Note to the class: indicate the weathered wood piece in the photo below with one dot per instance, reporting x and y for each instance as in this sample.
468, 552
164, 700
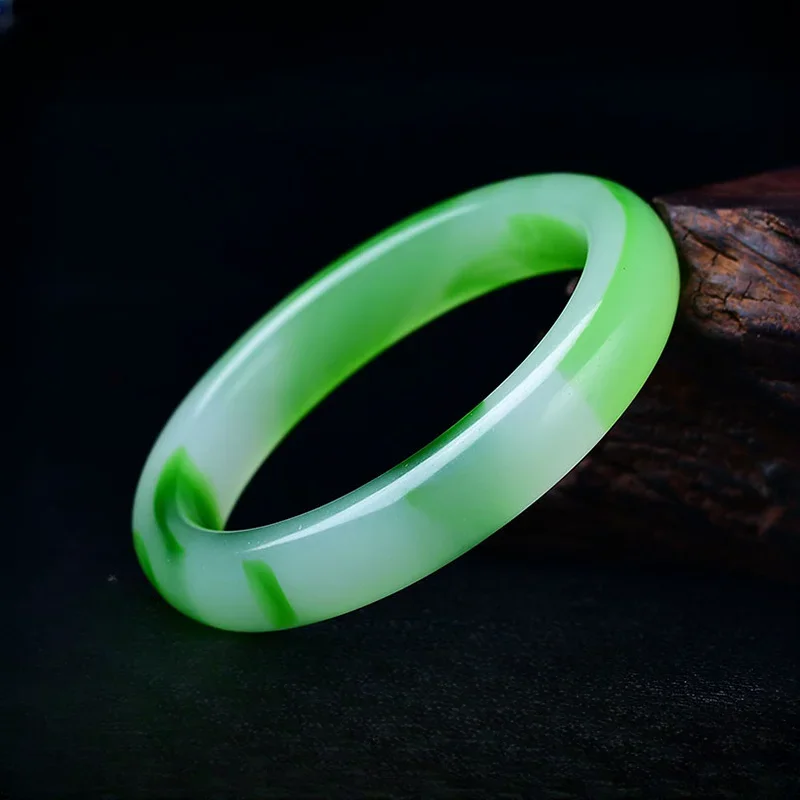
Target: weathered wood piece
704, 468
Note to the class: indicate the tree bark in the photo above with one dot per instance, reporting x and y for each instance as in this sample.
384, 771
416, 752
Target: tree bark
704, 467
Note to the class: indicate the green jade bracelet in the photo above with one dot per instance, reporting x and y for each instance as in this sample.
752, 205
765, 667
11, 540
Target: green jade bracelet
477, 476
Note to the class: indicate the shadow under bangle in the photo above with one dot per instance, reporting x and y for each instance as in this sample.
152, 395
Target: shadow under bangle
473, 479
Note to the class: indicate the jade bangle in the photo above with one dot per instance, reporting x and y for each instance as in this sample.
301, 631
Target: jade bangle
481, 473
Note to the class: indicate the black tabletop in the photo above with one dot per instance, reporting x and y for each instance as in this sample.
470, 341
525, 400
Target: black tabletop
489, 679
174, 188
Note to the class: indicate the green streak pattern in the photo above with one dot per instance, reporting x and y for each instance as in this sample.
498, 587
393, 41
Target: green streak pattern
181, 479
144, 558
534, 244
270, 596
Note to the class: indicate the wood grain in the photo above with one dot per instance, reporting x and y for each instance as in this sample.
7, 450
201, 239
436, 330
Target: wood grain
704, 468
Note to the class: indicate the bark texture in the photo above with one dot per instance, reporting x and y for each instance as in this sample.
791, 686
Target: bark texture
704, 468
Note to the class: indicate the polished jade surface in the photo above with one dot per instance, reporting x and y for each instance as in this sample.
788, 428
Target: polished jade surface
481, 473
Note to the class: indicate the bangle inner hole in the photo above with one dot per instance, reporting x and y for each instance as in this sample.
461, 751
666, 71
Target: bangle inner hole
402, 400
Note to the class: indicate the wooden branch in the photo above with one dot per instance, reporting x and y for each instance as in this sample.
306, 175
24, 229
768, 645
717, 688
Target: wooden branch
704, 468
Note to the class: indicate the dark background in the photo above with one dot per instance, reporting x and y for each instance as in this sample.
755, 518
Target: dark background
169, 179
